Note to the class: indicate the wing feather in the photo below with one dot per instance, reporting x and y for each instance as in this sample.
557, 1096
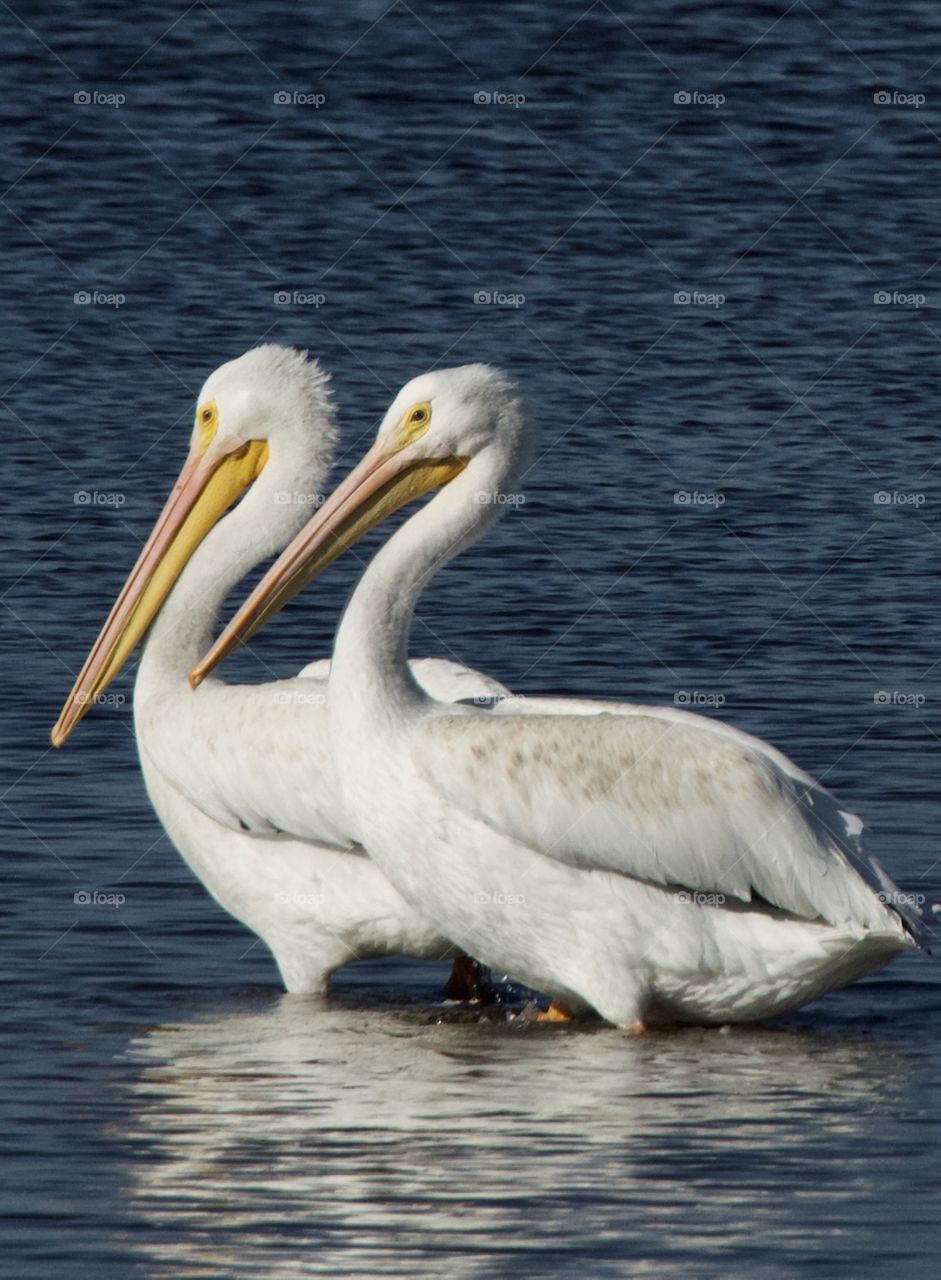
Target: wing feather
256, 758
663, 798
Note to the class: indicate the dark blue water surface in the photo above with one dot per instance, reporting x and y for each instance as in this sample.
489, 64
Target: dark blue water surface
735, 506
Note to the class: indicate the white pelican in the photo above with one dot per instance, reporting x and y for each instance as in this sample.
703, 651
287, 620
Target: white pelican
225, 769
644, 862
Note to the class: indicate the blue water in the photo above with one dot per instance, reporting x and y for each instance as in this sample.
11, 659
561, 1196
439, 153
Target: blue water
701, 525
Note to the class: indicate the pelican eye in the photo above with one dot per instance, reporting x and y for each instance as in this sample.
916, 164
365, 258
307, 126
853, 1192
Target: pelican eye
207, 420
413, 424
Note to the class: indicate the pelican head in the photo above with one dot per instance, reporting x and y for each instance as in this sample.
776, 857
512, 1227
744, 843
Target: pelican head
272, 394
451, 413
267, 411
440, 425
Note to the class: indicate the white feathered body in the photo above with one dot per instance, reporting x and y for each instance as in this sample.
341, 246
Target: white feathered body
693, 878
646, 863
241, 776
242, 779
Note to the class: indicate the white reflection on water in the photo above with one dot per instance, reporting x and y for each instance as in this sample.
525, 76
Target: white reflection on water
305, 1139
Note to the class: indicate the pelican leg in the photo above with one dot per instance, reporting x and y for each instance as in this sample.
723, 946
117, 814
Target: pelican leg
466, 979
558, 1011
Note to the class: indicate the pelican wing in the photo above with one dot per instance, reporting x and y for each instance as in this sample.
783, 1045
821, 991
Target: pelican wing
663, 798
252, 757
441, 679
448, 681
256, 757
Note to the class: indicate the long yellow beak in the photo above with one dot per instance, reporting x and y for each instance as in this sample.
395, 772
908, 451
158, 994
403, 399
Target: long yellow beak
203, 492
381, 483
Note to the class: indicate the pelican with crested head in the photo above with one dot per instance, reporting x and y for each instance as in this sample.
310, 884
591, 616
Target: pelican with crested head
242, 776
643, 862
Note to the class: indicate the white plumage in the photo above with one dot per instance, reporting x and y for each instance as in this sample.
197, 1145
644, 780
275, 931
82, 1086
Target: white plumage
644, 862
232, 767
